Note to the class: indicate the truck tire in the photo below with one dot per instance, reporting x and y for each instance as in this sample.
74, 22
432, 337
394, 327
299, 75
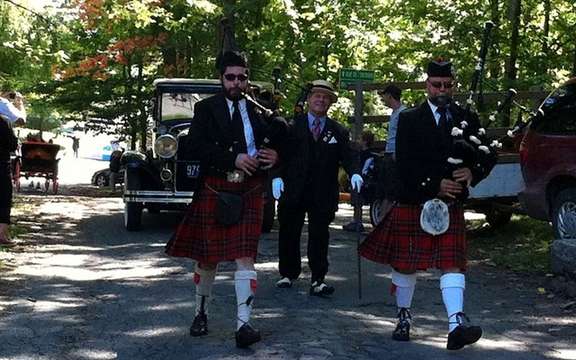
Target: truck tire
564, 214
269, 215
498, 218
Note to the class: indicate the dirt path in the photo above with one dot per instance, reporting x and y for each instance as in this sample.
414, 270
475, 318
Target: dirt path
79, 287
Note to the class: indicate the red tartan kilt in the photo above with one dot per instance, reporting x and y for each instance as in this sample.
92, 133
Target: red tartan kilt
199, 236
400, 241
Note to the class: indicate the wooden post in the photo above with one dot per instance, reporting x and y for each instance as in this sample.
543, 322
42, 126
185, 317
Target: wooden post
358, 111
358, 125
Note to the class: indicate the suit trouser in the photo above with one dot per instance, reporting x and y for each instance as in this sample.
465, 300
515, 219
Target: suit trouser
291, 220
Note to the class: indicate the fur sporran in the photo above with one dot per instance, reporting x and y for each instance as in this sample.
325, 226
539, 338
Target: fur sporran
435, 217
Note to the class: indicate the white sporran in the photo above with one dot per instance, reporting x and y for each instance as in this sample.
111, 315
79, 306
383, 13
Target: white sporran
435, 218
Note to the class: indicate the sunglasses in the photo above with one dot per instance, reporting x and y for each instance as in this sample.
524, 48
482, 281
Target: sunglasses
438, 84
232, 77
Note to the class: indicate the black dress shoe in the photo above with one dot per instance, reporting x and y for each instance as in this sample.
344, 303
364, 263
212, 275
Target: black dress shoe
464, 334
319, 288
199, 325
246, 336
402, 331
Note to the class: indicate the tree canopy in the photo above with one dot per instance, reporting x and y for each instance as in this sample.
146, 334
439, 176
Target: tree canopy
96, 59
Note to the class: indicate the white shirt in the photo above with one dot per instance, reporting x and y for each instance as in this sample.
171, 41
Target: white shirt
248, 132
393, 129
10, 112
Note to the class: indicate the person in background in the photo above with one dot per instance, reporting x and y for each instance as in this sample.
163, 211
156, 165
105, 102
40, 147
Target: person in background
367, 161
318, 146
11, 112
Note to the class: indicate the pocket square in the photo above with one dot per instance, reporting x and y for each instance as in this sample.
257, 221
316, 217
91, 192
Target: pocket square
333, 141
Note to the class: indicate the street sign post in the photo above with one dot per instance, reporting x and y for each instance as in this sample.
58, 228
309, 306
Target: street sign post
352, 76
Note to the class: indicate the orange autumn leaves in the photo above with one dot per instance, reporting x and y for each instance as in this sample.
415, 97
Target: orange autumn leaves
119, 52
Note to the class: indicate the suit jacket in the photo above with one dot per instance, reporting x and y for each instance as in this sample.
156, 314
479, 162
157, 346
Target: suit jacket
422, 150
321, 162
211, 138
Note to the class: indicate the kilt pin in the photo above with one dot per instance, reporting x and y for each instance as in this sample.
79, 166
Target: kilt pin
398, 240
201, 238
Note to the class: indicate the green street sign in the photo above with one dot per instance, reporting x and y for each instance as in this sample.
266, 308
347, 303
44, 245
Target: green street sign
351, 76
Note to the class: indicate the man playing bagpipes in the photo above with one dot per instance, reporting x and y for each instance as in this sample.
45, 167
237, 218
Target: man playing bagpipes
234, 143
440, 152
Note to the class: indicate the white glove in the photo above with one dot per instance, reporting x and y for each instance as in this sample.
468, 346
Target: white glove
277, 187
356, 181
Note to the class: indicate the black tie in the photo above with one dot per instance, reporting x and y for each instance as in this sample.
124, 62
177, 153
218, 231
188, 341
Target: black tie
443, 122
238, 127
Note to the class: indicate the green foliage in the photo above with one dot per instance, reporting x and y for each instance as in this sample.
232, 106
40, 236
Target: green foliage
100, 63
521, 245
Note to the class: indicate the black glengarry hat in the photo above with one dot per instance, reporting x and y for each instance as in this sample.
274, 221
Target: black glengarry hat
440, 68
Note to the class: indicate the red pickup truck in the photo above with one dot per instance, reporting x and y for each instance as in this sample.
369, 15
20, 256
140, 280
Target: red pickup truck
548, 162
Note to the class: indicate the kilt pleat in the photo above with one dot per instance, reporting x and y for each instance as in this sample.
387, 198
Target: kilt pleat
200, 237
398, 240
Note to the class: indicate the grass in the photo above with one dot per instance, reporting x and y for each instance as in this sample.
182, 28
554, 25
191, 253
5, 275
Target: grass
521, 245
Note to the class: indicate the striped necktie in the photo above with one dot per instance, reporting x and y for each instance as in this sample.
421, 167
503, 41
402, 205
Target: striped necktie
316, 128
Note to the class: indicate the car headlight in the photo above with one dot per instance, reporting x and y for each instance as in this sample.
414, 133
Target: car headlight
166, 146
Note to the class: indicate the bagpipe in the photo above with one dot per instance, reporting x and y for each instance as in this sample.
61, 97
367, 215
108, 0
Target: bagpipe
470, 146
276, 126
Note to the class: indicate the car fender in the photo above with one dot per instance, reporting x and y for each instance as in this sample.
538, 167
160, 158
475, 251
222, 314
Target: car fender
136, 165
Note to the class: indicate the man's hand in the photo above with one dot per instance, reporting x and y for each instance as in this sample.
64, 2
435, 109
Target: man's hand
462, 175
267, 157
246, 163
449, 189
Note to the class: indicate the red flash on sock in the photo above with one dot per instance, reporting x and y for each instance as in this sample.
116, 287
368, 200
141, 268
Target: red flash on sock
253, 285
196, 278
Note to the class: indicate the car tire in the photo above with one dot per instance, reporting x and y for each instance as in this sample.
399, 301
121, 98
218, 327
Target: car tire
564, 214
101, 180
132, 216
498, 218
378, 209
269, 215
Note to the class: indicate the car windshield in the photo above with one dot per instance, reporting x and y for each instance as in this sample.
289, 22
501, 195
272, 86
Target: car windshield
179, 106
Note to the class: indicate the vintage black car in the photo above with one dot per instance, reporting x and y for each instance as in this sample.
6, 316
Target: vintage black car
163, 177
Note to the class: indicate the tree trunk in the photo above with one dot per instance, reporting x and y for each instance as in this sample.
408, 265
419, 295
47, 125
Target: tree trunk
574, 61
545, 36
143, 114
494, 65
511, 71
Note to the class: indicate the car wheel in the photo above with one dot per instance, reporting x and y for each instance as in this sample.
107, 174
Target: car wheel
378, 209
564, 214
101, 180
269, 215
497, 218
132, 216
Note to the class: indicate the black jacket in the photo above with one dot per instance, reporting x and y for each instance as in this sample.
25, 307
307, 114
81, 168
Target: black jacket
422, 151
310, 169
211, 138
8, 141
